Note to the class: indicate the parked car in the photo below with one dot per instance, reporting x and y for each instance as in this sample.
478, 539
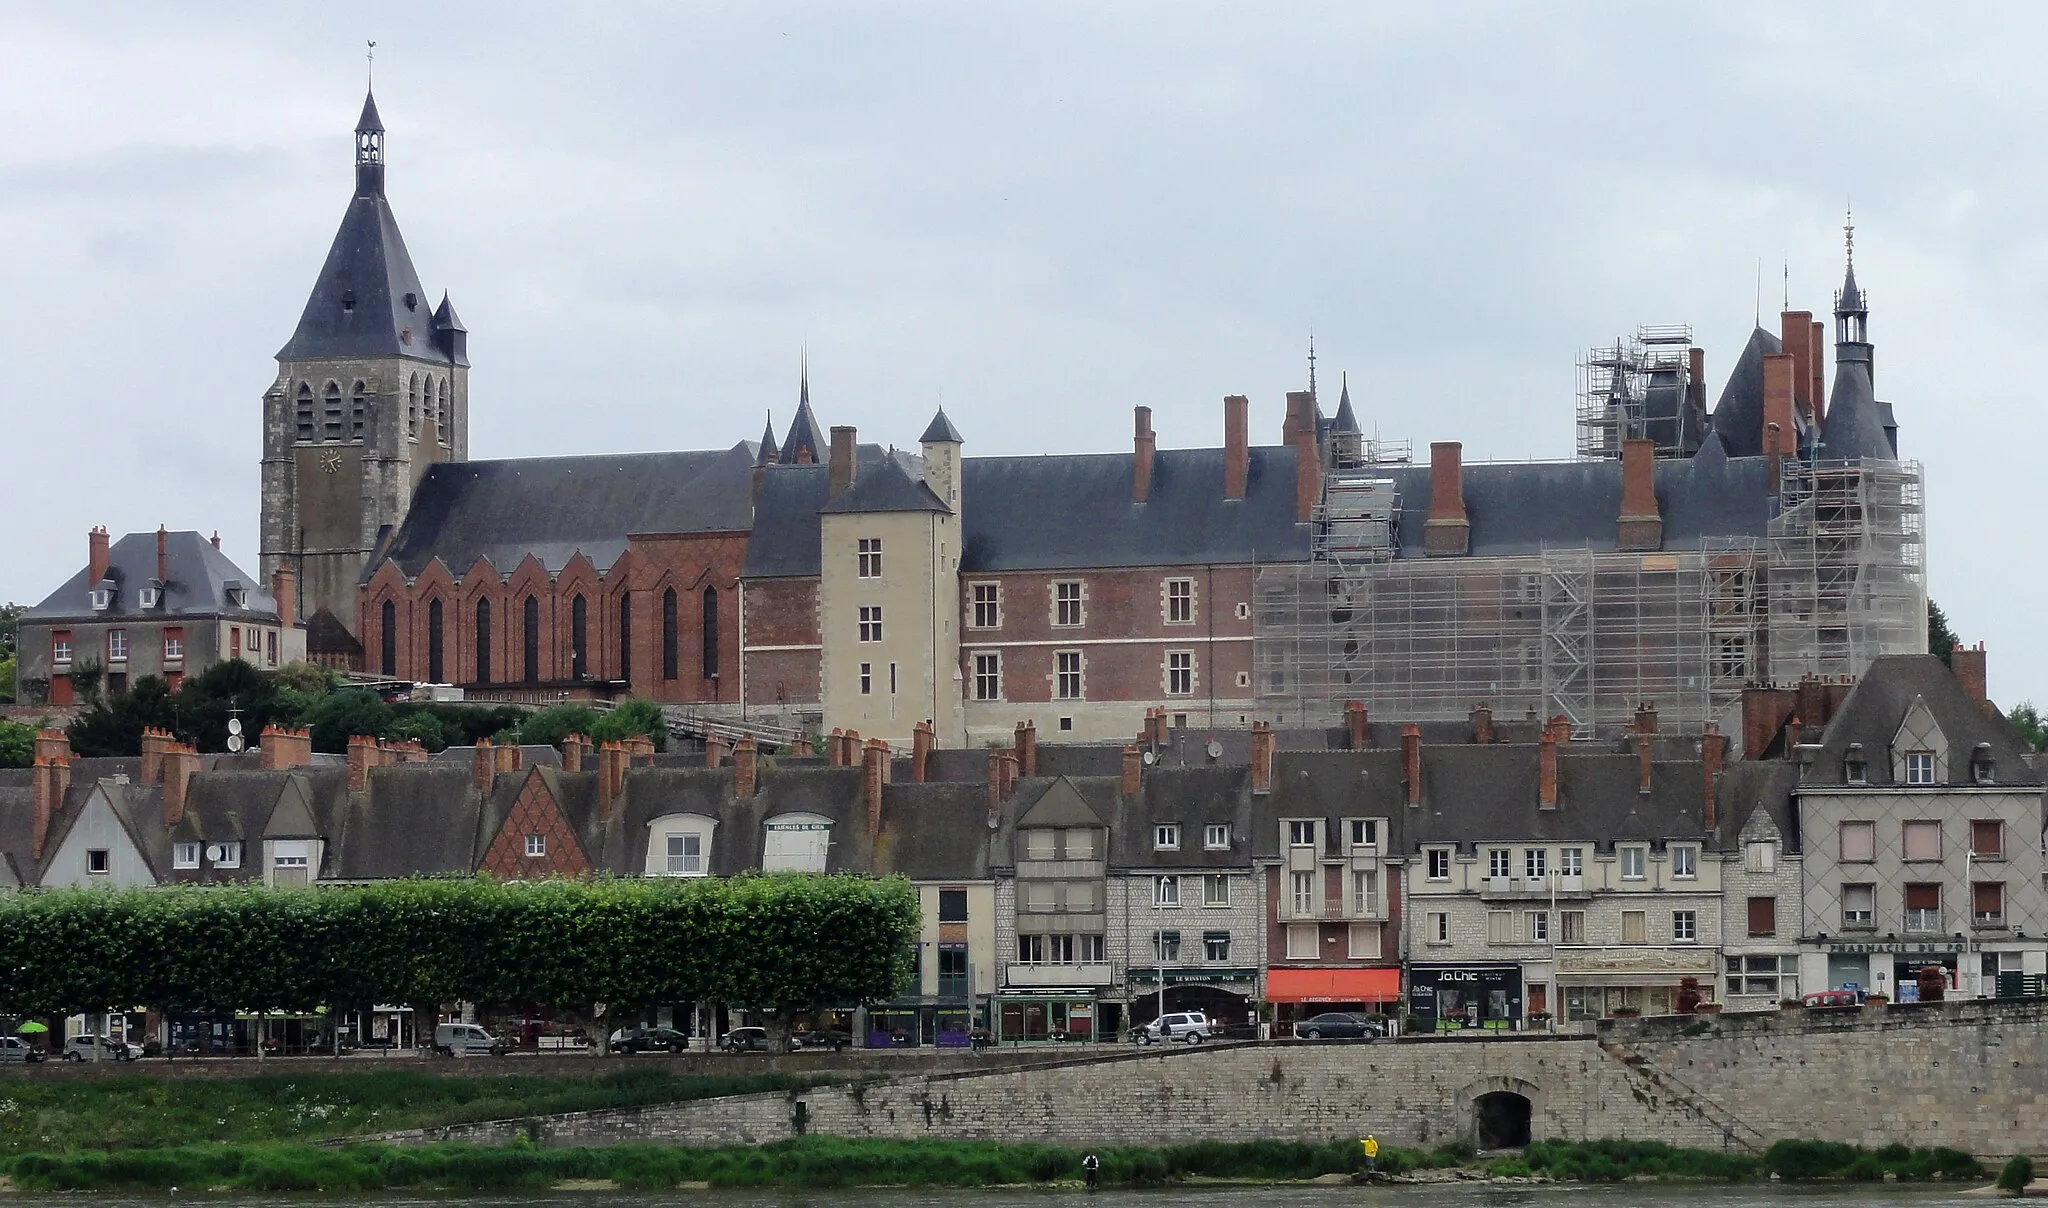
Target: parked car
1831, 998
650, 1040
14, 1048
819, 1038
1340, 1025
1188, 1027
467, 1040
745, 1040
80, 1048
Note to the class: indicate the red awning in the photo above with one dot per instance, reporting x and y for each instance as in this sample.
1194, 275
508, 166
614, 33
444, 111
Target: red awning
1333, 985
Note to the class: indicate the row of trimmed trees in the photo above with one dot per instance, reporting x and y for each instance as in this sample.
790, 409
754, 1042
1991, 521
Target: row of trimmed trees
784, 942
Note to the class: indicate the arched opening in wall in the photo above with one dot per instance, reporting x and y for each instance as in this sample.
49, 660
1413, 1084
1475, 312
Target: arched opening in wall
388, 655
579, 637
412, 408
435, 664
626, 637
483, 641
304, 413
441, 411
530, 622
710, 653
1501, 1119
668, 634
332, 419
358, 411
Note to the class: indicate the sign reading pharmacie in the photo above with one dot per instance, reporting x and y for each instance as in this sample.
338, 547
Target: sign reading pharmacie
1859, 947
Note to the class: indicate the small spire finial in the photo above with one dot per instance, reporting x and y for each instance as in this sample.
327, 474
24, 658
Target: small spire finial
1849, 232
803, 381
1788, 284
370, 57
1311, 361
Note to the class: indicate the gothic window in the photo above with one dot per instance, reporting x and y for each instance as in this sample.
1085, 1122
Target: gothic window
304, 413
441, 411
710, 652
412, 408
389, 654
530, 625
435, 665
358, 411
332, 418
579, 633
668, 634
625, 637
483, 641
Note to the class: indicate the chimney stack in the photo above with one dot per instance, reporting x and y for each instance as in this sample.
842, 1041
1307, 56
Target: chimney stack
1643, 762
510, 757
1027, 747
284, 749
1262, 757
1411, 761
1646, 718
874, 760
1779, 370
1817, 390
612, 761
573, 748
1009, 774
832, 749
839, 474
1546, 769
1237, 445
1308, 460
483, 766
1482, 723
1161, 735
1794, 728
153, 743
362, 756
284, 587
1447, 531
163, 554
95, 557
1641, 525
920, 751
1144, 445
1969, 667
746, 768
1795, 336
50, 780
995, 785
180, 762
1712, 751
216, 538
1134, 770
714, 751
1354, 725
1696, 383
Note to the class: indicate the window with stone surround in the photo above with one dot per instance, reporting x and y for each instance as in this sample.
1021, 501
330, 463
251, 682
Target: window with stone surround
1856, 842
1301, 943
1634, 861
1066, 596
1067, 675
988, 675
1180, 673
1685, 926
1439, 863
1216, 889
868, 555
1500, 927
1987, 839
1571, 926
1919, 767
1763, 916
1921, 840
1685, 861
988, 606
1365, 941
1635, 927
1180, 601
1436, 927
1859, 907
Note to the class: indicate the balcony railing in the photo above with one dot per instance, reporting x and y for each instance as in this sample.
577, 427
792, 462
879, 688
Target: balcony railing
1924, 922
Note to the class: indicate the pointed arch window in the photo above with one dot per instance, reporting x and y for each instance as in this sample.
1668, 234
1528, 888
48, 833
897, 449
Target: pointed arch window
710, 652
483, 641
358, 411
332, 417
303, 414
626, 637
579, 635
435, 663
412, 408
388, 656
441, 425
668, 634
530, 626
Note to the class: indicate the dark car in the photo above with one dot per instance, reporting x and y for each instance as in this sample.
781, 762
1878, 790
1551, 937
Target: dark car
650, 1040
745, 1040
1339, 1025
1831, 998
819, 1038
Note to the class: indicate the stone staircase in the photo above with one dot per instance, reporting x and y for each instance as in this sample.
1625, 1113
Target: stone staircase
1735, 1131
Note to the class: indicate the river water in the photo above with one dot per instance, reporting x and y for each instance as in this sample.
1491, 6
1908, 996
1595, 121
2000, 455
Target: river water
1459, 1196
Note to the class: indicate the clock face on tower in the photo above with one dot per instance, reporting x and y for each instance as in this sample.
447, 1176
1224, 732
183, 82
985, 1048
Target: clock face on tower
331, 463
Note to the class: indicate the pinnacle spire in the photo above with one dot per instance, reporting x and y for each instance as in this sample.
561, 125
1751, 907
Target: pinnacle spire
1346, 419
369, 149
766, 457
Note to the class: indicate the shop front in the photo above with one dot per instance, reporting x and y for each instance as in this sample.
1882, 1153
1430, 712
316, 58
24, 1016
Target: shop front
1892, 967
1297, 994
1052, 1016
1450, 997
1226, 996
923, 1021
1594, 983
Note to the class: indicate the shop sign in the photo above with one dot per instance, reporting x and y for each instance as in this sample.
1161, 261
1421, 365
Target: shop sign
1636, 960
1905, 946
1183, 977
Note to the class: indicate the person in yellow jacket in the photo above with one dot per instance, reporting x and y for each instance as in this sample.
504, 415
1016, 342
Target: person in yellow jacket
1371, 1145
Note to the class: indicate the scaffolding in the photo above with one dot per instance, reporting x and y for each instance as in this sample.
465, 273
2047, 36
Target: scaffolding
1848, 578
1635, 389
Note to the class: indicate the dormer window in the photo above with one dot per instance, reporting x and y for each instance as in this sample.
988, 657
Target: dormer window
102, 597
151, 596
233, 593
1166, 837
1920, 767
1981, 764
1854, 769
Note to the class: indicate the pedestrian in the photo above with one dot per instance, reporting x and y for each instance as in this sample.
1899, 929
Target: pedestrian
1091, 1171
1371, 1145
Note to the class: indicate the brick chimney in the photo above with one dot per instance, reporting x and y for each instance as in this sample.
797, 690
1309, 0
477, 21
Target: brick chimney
839, 473
921, 750
1817, 390
612, 761
1027, 747
833, 749
714, 751
1640, 525
1161, 735
995, 784
1712, 752
283, 749
1009, 773
95, 557
1779, 369
1794, 729
1643, 762
163, 554
1696, 385
641, 748
1546, 769
1262, 757
874, 761
510, 757
1482, 723
50, 780
1134, 770
746, 768
362, 756
1354, 725
1764, 711
1237, 445
1795, 335
1447, 531
180, 762
1411, 761
153, 743
1144, 445
1968, 665
1308, 461
284, 586
1646, 718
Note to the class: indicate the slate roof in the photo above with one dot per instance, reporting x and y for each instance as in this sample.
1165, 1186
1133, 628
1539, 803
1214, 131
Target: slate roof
197, 587
416, 820
358, 305
887, 488
941, 431
786, 532
1854, 426
554, 507
1346, 420
803, 435
1877, 704
1739, 413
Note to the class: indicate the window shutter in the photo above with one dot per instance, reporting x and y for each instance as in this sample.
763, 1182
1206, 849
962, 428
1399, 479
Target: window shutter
1988, 897
1763, 916
1923, 897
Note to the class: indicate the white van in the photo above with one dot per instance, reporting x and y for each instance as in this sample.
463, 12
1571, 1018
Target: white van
466, 1040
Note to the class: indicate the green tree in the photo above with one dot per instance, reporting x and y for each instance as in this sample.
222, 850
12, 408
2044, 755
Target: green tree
230, 689
1941, 640
555, 723
10, 627
7, 673
309, 678
632, 717
17, 744
113, 725
2027, 720
338, 715
422, 727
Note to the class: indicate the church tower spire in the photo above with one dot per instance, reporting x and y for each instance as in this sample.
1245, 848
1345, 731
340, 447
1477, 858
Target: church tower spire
369, 149
1852, 315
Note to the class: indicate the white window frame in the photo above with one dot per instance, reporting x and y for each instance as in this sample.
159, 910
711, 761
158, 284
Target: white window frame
1180, 601
99, 861
868, 555
1166, 892
1438, 923
1041, 843
536, 846
1685, 927
988, 675
1635, 861
1166, 836
1536, 863
1432, 858
1685, 862
1216, 836
1571, 861
1068, 604
1303, 891
1365, 893
1919, 768
117, 645
230, 855
1301, 833
1537, 926
1364, 833
1500, 862
185, 854
1216, 889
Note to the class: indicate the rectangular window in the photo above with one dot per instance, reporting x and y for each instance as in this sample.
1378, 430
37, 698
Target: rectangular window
1031, 949
1774, 976
1761, 856
1500, 927
871, 622
952, 905
1987, 903
1536, 863
1166, 891
1180, 673
174, 643
1685, 927
60, 646
184, 855
1365, 894
1080, 898
1571, 862
1439, 864
1500, 863
1216, 889
988, 606
1763, 916
1538, 924
1302, 886
1633, 862
1436, 927
1041, 845
1859, 906
1923, 907
230, 856
953, 970
1635, 927
1216, 836
97, 861
686, 855
1067, 674
1987, 839
867, 679
1066, 603
1919, 767
1685, 862
1166, 945
1365, 834
1180, 601
536, 846
1080, 843
1858, 842
1040, 897
1922, 841
870, 558
1301, 943
1571, 926
1166, 837
1365, 941
1088, 950
1216, 946
988, 676
892, 679
1301, 834
117, 645
292, 866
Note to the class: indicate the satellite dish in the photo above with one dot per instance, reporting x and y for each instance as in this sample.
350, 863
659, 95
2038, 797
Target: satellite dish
216, 852
1215, 749
1151, 757
234, 725
235, 742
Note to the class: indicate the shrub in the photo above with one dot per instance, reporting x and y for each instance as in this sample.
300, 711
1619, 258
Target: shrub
2018, 1172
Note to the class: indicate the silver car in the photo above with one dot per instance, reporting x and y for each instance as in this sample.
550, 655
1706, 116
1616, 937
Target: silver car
14, 1048
80, 1048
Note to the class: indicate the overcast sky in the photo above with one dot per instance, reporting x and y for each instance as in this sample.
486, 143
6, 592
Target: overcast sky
1040, 214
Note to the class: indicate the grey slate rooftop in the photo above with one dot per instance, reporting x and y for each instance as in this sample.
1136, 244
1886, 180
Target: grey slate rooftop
197, 584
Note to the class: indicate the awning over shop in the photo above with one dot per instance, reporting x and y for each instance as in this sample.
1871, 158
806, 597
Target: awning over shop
1333, 985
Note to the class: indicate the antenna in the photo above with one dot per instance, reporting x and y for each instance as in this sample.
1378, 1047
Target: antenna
1311, 360
1788, 283
1849, 232
1759, 321
370, 57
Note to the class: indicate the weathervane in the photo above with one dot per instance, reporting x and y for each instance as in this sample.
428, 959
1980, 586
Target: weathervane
1849, 232
370, 57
